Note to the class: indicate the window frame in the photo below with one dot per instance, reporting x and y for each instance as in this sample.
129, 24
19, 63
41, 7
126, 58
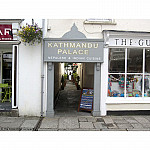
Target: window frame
126, 99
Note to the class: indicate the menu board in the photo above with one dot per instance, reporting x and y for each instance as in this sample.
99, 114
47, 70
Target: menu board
86, 99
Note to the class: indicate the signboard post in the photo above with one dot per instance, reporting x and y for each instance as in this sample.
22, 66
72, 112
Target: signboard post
86, 99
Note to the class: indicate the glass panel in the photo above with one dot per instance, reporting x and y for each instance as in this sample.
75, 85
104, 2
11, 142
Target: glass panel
7, 68
116, 85
147, 60
147, 86
116, 60
134, 86
135, 60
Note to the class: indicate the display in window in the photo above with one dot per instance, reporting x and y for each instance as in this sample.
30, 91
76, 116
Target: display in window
134, 88
116, 85
147, 86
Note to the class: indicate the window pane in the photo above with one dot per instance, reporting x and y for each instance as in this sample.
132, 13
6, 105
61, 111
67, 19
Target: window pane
134, 85
147, 86
135, 60
147, 60
116, 60
116, 85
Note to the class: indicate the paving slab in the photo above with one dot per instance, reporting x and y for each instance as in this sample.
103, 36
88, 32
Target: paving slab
141, 119
108, 119
124, 126
91, 119
111, 126
82, 119
86, 125
12, 123
146, 125
99, 125
68, 122
137, 126
131, 120
116, 117
99, 119
29, 124
2, 118
49, 123
121, 120
147, 117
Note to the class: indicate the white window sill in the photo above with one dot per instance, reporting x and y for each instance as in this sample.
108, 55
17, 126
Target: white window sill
132, 100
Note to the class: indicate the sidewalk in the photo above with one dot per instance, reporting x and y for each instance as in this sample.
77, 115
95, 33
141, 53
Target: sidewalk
78, 123
18, 123
90, 123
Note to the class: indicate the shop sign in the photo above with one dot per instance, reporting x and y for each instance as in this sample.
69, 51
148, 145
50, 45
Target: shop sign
59, 50
132, 42
5, 32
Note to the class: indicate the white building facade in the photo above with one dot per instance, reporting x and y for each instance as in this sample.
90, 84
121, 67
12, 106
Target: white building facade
124, 72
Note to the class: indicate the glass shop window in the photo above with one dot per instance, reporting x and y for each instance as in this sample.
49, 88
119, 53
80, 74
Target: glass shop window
128, 82
134, 85
117, 60
147, 74
116, 85
134, 60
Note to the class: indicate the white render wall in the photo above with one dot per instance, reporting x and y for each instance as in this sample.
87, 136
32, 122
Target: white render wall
58, 27
29, 80
29, 100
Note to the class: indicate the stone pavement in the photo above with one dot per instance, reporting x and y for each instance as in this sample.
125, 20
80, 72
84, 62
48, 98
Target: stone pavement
90, 123
78, 123
67, 118
18, 123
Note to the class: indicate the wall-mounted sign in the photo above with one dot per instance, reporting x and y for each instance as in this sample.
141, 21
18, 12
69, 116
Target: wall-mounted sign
5, 31
132, 42
83, 50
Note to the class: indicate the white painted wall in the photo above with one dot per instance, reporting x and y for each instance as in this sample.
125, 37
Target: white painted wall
58, 27
29, 81
29, 100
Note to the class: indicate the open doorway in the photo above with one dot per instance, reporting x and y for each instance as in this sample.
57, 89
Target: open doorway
69, 79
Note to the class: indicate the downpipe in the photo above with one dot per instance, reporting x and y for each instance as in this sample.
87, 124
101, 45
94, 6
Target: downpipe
42, 68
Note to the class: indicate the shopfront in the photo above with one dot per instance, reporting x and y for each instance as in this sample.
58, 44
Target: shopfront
8, 64
128, 74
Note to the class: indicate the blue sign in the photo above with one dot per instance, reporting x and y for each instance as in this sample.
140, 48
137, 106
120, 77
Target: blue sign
86, 101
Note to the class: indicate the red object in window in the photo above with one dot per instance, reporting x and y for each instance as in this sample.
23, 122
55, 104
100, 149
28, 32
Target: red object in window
5, 31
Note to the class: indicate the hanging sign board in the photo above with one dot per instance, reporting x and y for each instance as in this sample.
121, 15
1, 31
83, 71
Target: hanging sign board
5, 32
86, 99
78, 50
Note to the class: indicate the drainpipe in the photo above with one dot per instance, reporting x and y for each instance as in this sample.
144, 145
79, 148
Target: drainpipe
42, 67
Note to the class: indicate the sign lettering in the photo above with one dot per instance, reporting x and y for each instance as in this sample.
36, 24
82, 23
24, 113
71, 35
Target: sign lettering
5, 32
129, 42
73, 50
